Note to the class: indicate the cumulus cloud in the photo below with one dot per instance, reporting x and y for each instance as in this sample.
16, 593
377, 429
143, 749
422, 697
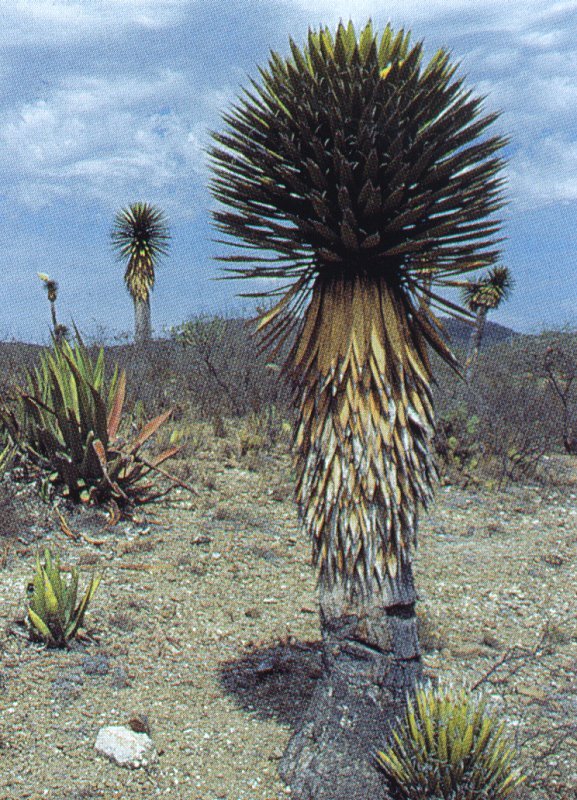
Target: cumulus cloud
103, 138
99, 133
46, 21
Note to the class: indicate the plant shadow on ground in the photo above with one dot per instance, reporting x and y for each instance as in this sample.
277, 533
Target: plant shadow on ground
275, 682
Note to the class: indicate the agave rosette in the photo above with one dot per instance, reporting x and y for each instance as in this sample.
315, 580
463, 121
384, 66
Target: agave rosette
53, 611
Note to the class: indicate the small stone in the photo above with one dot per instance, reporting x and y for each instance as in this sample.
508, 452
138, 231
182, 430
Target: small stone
491, 641
139, 723
125, 747
96, 665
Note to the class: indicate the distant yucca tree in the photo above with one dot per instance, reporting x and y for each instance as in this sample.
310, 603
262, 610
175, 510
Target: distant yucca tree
59, 331
361, 175
141, 235
482, 296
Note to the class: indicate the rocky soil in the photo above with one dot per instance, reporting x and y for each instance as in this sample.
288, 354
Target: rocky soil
205, 623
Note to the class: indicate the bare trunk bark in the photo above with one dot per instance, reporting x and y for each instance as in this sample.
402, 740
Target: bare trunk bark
54, 320
475, 343
371, 660
142, 321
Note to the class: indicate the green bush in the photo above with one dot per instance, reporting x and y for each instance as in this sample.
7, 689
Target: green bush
53, 613
457, 442
448, 747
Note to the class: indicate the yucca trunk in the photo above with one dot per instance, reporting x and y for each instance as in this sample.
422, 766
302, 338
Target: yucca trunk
363, 464
475, 342
142, 320
53, 315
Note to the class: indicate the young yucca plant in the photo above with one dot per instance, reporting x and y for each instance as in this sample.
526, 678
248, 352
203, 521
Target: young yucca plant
449, 747
53, 612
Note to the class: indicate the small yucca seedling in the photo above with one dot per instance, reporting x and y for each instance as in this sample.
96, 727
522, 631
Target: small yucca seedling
449, 747
53, 613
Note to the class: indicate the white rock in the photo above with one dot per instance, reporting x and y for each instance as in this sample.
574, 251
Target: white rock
125, 747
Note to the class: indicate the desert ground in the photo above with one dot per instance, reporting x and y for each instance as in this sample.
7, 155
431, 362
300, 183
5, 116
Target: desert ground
206, 625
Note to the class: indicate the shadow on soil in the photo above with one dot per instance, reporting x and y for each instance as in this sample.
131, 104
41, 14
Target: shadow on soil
275, 682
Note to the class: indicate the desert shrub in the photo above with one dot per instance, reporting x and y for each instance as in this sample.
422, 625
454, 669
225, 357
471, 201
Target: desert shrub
447, 746
499, 428
67, 420
551, 358
263, 430
514, 426
53, 613
432, 635
226, 372
457, 443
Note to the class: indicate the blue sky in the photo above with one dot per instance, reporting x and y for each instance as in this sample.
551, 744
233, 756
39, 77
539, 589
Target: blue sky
105, 102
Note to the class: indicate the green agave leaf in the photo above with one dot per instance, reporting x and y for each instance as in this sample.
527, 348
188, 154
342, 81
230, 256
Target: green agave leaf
37, 601
81, 610
40, 625
51, 600
98, 380
71, 594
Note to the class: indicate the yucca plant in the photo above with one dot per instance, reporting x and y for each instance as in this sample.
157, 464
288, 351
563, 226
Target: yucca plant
481, 296
449, 747
140, 234
67, 421
366, 180
53, 612
51, 286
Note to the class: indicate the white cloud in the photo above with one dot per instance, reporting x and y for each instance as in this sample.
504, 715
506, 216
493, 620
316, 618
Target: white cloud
50, 21
102, 139
96, 136
465, 14
546, 173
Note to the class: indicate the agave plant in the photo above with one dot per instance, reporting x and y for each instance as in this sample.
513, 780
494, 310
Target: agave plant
53, 612
366, 180
449, 747
67, 421
140, 234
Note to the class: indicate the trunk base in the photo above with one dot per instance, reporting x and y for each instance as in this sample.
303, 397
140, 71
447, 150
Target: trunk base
362, 691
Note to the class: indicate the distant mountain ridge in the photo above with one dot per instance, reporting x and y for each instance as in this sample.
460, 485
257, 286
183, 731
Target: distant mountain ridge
459, 332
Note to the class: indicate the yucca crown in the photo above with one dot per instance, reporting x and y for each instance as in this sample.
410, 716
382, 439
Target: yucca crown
489, 290
352, 158
140, 234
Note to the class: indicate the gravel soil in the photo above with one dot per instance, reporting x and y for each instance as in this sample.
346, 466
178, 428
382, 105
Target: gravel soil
206, 624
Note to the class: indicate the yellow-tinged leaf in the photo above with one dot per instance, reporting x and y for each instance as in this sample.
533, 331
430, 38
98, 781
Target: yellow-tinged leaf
270, 315
310, 324
378, 349
49, 596
391, 322
40, 625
